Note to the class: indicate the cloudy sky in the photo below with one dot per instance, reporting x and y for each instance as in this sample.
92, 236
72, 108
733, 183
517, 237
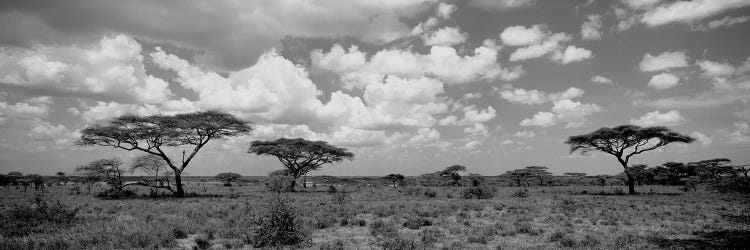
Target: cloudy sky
410, 86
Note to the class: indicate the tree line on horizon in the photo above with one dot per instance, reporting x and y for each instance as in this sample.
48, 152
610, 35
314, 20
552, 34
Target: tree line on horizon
153, 135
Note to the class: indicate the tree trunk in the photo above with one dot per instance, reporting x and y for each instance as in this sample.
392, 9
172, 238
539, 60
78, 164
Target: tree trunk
294, 183
179, 193
631, 182
304, 181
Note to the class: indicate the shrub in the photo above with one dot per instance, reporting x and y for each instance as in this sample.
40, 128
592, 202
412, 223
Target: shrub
414, 191
521, 193
279, 225
337, 244
179, 233
396, 242
42, 216
279, 184
416, 222
115, 194
431, 235
479, 192
382, 228
430, 193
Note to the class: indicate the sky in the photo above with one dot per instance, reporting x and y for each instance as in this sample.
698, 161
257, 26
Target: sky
409, 86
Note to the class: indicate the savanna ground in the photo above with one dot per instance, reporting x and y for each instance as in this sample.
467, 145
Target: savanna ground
383, 217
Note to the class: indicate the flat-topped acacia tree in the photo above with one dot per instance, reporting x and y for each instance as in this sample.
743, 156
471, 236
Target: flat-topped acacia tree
624, 142
153, 134
300, 156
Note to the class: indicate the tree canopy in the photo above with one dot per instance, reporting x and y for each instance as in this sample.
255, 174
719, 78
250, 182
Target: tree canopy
150, 134
452, 172
228, 178
626, 141
300, 156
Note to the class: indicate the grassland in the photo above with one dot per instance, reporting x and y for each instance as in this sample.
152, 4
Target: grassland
383, 217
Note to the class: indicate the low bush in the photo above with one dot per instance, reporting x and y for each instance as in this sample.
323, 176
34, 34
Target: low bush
431, 235
382, 228
479, 192
279, 225
42, 216
416, 222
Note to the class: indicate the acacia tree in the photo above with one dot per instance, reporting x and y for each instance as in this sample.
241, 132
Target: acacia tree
395, 178
300, 156
452, 172
152, 134
107, 170
518, 175
228, 178
539, 172
157, 172
624, 142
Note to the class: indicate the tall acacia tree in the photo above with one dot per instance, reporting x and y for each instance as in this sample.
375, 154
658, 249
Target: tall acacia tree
152, 134
300, 156
624, 142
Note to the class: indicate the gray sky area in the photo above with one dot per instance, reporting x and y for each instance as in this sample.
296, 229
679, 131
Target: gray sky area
410, 86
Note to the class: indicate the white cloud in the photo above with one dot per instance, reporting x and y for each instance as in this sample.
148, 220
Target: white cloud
425, 136
663, 81
32, 108
59, 134
602, 80
702, 138
522, 36
574, 54
715, 69
107, 110
656, 118
551, 45
533, 96
541, 119
663, 61
446, 36
445, 10
724, 22
525, 134
523, 96
476, 129
111, 68
442, 62
591, 27
500, 4
689, 11
640, 4
573, 113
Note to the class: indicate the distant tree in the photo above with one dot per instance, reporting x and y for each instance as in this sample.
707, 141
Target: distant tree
62, 178
452, 173
713, 170
280, 172
228, 178
4, 180
300, 156
107, 170
743, 169
157, 172
624, 142
641, 174
574, 177
151, 134
518, 175
395, 178
539, 173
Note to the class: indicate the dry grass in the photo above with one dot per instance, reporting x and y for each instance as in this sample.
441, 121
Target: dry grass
546, 218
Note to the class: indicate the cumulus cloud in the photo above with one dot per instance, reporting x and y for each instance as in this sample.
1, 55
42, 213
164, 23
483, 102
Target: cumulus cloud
591, 27
444, 10
702, 138
550, 45
247, 28
446, 36
564, 110
473, 118
541, 119
113, 68
724, 22
32, 108
519, 95
525, 134
443, 63
656, 118
664, 81
602, 80
663, 61
689, 11
715, 69
574, 54
522, 36
500, 4
640, 4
